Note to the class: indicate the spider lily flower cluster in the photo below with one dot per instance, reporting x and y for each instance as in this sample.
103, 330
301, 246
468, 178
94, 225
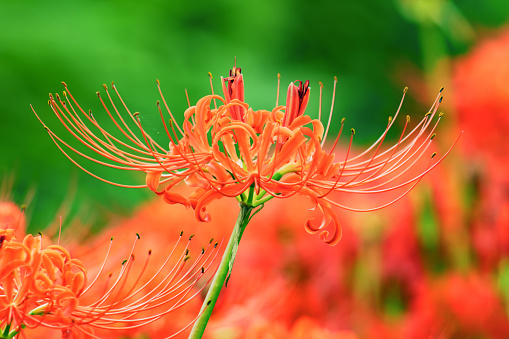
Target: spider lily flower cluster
46, 286
226, 148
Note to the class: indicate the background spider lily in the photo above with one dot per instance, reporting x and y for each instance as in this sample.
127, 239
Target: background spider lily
225, 148
44, 286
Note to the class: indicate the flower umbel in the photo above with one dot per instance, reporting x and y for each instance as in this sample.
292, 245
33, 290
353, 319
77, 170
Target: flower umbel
46, 286
232, 150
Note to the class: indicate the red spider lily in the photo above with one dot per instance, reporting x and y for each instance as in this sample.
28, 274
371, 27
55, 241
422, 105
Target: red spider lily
46, 287
232, 150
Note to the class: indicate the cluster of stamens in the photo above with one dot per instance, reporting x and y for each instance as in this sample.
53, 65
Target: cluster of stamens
46, 286
253, 155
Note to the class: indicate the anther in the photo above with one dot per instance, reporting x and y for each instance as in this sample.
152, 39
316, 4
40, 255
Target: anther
57, 96
191, 237
440, 100
111, 239
187, 251
208, 302
123, 262
40, 234
320, 83
433, 155
407, 118
390, 119
211, 240
112, 84
425, 115
149, 252
136, 114
210, 75
181, 232
405, 90
202, 270
441, 89
353, 131
279, 75
98, 94
157, 80
138, 236
63, 83
343, 120
202, 250
441, 114
215, 245
105, 87
432, 136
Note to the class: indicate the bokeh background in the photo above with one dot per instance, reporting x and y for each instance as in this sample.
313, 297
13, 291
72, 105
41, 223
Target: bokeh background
457, 219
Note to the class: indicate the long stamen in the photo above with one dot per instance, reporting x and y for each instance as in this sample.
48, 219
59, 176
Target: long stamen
166, 105
53, 136
337, 137
100, 270
331, 109
343, 167
131, 136
212, 89
320, 102
278, 84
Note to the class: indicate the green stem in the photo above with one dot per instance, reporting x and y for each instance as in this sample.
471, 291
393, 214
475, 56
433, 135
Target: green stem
223, 271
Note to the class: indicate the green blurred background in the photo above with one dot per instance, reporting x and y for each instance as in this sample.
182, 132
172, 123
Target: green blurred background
368, 44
